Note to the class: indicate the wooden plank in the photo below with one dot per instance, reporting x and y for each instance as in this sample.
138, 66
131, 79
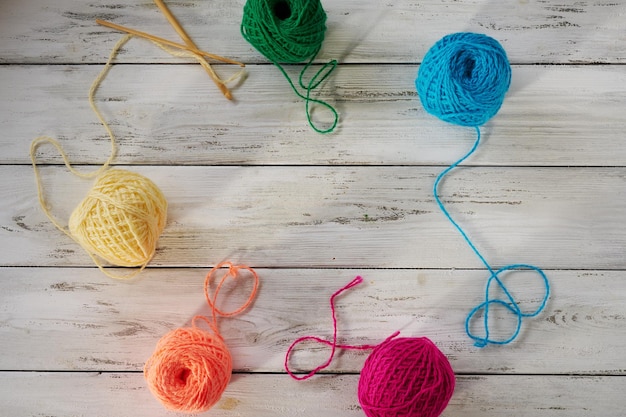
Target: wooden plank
249, 181
61, 394
69, 319
397, 31
167, 114
556, 218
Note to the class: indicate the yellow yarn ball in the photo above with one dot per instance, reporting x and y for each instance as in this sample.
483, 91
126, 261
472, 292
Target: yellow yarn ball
121, 218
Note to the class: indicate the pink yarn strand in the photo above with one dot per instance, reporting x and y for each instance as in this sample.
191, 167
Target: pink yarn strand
333, 345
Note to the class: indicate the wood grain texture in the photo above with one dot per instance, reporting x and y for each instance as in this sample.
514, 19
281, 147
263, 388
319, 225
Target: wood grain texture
249, 181
378, 217
77, 319
394, 31
174, 115
60, 394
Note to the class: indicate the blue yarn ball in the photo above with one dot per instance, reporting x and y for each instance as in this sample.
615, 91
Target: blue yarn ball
463, 78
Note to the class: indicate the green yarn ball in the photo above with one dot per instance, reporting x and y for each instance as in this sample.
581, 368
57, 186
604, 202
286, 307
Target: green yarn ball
289, 31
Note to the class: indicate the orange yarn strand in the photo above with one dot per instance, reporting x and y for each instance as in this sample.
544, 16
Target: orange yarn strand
191, 367
232, 273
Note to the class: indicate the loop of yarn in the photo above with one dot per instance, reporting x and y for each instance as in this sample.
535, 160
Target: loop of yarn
401, 377
124, 213
291, 31
509, 304
191, 367
232, 273
463, 80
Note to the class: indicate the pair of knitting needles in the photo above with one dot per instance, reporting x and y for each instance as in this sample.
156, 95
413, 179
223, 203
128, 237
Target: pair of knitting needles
188, 46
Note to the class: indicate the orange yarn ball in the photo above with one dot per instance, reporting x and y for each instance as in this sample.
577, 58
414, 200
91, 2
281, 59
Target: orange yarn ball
189, 370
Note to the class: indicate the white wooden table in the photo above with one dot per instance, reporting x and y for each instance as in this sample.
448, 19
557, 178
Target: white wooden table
248, 181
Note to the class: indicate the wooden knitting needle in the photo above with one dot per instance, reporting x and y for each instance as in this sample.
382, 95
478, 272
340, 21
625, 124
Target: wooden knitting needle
166, 42
181, 32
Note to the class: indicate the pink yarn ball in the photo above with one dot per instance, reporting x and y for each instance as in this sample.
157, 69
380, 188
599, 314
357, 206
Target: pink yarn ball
406, 377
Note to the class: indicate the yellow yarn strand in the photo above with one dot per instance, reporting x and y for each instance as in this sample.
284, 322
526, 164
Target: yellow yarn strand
124, 213
202, 61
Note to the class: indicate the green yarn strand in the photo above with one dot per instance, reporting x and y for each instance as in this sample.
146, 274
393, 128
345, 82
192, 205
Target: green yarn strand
317, 79
291, 31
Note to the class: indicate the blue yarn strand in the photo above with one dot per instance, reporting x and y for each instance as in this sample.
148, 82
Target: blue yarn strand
462, 80
445, 211
510, 304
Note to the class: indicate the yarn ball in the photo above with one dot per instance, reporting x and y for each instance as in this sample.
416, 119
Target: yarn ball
406, 377
189, 370
121, 218
463, 78
288, 31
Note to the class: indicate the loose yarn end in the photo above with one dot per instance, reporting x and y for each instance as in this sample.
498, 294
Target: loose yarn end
124, 213
401, 377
